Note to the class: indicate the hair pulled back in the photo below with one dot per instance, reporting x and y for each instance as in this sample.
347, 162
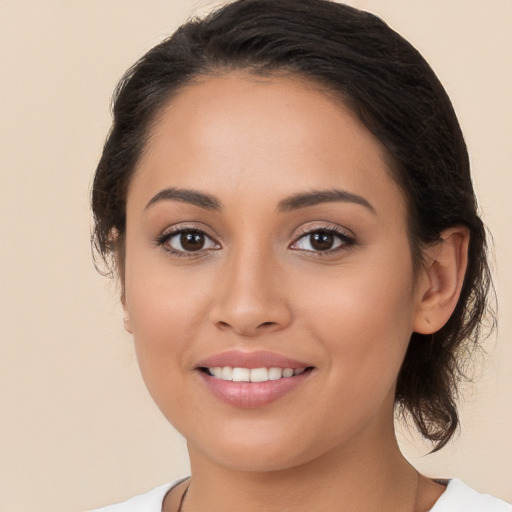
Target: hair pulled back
394, 92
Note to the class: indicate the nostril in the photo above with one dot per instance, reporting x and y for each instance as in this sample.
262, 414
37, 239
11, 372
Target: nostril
248, 322
267, 324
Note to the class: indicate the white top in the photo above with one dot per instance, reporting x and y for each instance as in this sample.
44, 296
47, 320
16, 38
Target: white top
458, 497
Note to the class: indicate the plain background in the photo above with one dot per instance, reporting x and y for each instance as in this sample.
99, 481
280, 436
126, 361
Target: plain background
77, 427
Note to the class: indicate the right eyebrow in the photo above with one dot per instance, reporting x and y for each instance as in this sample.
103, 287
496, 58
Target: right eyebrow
315, 197
185, 195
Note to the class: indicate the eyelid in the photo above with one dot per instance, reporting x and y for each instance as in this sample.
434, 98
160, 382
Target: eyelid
186, 226
177, 229
346, 236
311, 227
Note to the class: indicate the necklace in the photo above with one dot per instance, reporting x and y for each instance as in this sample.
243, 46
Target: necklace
182, 500
416, 493
415, 507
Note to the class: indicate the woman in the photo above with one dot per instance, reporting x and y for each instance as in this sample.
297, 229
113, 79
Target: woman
286, 197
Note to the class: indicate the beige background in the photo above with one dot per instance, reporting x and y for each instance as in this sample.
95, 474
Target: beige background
77, 427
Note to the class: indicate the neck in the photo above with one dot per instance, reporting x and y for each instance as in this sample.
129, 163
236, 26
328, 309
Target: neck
367, 475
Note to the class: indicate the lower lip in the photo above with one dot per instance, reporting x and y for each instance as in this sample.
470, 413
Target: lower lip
249, 395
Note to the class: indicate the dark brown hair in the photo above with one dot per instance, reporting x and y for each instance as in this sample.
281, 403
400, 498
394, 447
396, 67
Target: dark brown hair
395, 93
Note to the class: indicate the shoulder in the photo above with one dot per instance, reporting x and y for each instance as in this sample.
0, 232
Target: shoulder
150, 501
459, 497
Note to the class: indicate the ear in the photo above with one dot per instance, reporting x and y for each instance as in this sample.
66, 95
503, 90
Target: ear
119, 258
126, 311
441, 279
126, 318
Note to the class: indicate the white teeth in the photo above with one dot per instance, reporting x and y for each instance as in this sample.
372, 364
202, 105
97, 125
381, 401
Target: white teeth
288, 372
227, 373
259, 375
239, 374
275, 373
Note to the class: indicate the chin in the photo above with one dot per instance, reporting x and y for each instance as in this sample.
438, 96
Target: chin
258, 459
257, 450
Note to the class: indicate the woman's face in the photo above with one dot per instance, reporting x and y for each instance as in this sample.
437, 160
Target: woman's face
264, 231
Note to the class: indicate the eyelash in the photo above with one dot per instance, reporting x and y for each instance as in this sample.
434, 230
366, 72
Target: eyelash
162, 239
345, 239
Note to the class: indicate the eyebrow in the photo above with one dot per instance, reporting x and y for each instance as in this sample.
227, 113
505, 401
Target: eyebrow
200, 199
315, 197
295, 202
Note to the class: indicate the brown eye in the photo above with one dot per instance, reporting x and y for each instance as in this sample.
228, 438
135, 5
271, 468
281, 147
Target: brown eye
192, 241
321, 240
187, 241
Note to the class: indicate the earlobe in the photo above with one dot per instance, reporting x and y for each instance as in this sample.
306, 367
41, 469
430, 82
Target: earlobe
126, 317
127, 323
441, 280
119, 258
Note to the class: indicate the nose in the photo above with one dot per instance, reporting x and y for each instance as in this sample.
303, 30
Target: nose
251, 297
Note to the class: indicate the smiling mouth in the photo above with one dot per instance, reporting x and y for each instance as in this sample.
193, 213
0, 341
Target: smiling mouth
241, 374
254, 379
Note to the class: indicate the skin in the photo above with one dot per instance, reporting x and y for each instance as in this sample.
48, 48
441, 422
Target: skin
259, 285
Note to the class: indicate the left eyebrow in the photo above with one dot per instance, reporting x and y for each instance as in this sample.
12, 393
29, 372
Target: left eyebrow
315, 197
194, 197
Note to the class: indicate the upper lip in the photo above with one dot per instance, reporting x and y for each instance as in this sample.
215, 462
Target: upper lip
257, 359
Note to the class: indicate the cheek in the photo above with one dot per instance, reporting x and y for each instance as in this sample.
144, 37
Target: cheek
162, 314
166, 311
363, 315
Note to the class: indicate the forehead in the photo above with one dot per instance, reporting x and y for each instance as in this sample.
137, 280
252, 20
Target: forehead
246, 134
